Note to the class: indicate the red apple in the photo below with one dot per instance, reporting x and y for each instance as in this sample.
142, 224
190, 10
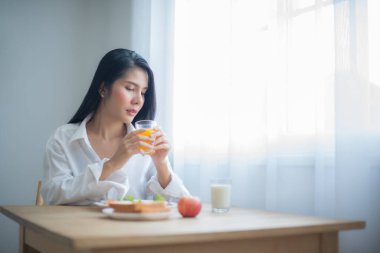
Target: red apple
189, 206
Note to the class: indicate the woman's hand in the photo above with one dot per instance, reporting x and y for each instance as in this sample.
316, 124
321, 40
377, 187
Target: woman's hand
130, 145
159, 156
161, 147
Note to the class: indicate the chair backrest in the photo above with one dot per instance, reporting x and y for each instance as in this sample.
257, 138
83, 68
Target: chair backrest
39, 199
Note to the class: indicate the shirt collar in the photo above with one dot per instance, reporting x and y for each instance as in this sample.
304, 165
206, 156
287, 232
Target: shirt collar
81, 132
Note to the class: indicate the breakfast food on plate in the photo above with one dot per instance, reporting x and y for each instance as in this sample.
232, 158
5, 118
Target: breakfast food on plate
142, 206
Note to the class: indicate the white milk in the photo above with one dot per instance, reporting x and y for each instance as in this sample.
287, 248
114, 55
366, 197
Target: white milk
220, 196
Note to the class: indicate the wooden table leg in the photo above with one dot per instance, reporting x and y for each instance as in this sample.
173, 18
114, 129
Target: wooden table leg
329, 242
21, 239
23, 247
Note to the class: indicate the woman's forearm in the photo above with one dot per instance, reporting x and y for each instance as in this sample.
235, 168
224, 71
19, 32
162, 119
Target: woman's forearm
108, 168
163, 173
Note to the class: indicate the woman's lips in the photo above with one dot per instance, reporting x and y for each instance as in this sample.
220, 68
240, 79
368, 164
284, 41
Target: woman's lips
131, 112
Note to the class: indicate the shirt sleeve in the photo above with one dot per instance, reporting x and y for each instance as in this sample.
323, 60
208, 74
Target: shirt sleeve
173, 191
60, 186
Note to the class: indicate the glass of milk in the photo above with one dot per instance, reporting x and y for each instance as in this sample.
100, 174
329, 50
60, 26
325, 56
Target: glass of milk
220, 195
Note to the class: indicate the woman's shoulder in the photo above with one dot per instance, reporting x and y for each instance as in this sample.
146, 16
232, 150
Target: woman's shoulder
64, 133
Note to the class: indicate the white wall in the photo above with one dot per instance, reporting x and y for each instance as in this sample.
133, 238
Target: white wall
49, 51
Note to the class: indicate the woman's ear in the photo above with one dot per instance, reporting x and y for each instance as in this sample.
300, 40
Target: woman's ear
102, 90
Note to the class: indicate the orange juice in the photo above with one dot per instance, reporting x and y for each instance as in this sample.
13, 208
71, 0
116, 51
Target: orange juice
148, 132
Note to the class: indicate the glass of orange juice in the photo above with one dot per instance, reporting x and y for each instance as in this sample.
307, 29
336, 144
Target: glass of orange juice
149, 126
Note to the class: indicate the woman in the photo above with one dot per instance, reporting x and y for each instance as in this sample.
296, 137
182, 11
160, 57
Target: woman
98, 154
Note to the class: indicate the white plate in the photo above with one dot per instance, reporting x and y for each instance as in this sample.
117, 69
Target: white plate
136, 216
103, 203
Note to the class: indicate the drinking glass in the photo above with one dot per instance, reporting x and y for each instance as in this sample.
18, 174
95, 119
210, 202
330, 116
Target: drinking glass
220, 195
149, 126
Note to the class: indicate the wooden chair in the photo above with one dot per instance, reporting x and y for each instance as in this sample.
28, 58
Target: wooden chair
39, 199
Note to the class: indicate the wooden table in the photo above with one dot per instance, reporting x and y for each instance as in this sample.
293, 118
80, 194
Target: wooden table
85, 229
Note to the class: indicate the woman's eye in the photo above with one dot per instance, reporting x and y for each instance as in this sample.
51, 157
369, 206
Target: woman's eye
130, 89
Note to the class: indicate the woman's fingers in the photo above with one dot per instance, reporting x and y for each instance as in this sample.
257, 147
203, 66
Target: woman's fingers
165, 146
159, 136
157, 132
160, 140
146, 145
145, 148
136, 142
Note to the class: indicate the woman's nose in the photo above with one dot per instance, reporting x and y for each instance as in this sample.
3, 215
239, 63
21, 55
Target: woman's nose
138, 99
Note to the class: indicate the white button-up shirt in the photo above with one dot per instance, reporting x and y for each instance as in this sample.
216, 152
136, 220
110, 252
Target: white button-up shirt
72, 170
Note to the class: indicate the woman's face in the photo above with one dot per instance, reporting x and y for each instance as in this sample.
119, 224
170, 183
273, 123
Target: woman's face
126, 97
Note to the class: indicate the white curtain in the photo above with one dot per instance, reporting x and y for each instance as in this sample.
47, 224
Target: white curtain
152, 37
283, 97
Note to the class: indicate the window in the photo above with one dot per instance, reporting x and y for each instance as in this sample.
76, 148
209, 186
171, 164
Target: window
374, 41
248, 72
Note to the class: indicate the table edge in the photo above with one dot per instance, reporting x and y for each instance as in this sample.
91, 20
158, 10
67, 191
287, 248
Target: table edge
82, 243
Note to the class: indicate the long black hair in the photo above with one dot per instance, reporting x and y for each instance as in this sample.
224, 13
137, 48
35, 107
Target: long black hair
113, 66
